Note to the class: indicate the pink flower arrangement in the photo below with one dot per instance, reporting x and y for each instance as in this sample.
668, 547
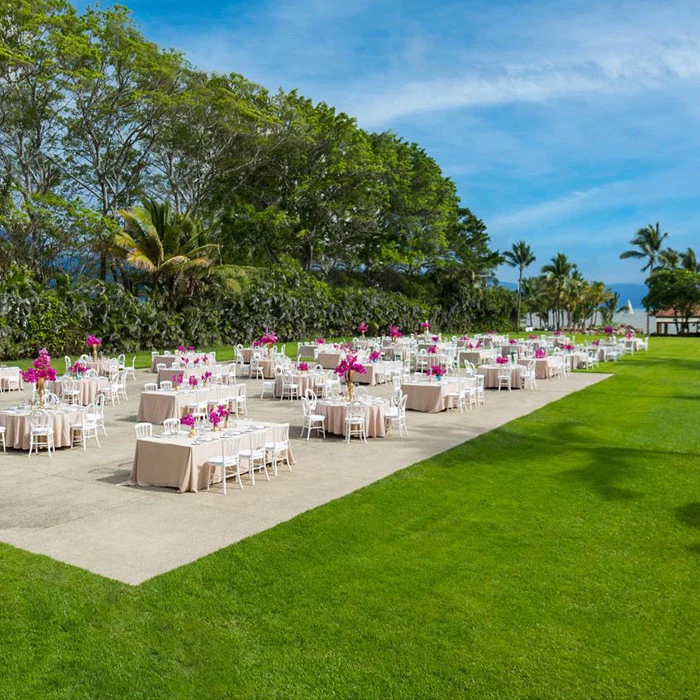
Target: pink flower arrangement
193, 381
177, 379
187, 419
432, 350
78, 368
320, 341
41, 369
629, 335
464, 337
349, 364
205, 359
206, 376
596, 343
532, 337
269, 338
196, 361
425, 325
362, 328
568, 347
540, 353
181, 348
394, 332
513, 341
502, 360
303, 366
375, 356
214, 418
435, 338
436, 371
191, 348
608, 330
93, 340
557, 333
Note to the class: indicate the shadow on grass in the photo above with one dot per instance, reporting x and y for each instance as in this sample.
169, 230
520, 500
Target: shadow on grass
689, 514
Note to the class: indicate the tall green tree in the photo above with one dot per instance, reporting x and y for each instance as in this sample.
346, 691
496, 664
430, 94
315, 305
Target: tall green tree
689, 260
521, 257
648, 244
558, 271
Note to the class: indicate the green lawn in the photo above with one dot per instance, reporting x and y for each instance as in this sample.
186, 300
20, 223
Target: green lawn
556, 557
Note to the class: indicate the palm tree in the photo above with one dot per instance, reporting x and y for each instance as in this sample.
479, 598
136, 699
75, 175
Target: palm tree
162, 244
521, 256
689, 261
670, 258
648, 241
610, 307
558, 271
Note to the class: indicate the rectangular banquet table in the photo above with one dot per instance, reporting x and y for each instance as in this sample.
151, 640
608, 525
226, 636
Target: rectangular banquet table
544, 366
307, 351
175, 461
329, 360
336, 410
5, 379
166, 375
490, 373
377, 372
156, 406
427, 396
168, 360
16, 422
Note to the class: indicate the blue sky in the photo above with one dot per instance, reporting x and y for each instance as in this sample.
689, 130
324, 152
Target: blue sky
567, 124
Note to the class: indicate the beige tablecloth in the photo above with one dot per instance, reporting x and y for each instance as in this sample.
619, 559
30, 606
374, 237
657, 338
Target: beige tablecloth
491, 376
304, 380
307, 351
428, 397
175, 462
5, 378
329, 360
377, 372
156, 406
166, 375
336, 412
17, 427
168, 360
544, 366
476, 357
87, 386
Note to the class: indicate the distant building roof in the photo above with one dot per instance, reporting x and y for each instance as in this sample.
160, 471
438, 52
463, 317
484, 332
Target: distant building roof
670, 313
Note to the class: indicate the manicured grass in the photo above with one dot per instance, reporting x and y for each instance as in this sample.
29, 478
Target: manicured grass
556, 557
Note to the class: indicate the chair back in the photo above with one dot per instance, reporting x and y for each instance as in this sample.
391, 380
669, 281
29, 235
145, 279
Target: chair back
310, 396
356, 411
171, 426
38, 419
151, 386
143, 430
165, 386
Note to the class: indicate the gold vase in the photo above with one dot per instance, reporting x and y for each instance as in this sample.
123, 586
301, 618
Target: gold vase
94, 352
40, 388
351, 386
192, 433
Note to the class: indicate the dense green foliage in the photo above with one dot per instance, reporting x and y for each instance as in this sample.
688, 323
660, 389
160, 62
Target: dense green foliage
556, 557
121, 162
676, 289
295, 304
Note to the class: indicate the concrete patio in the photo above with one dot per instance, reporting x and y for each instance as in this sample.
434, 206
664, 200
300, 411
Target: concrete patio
76, 508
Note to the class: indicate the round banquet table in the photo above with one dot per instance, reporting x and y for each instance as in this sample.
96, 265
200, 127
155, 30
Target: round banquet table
490, 373
88, 387
17, 426
335, 412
